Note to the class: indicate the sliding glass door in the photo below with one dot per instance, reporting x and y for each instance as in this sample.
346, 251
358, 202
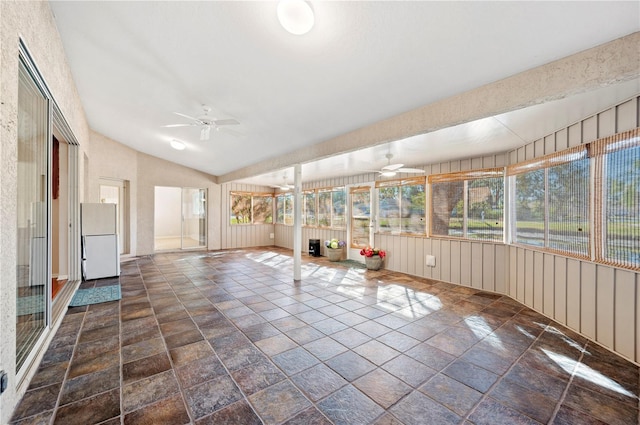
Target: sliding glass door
32, 228
194, 230
180, 219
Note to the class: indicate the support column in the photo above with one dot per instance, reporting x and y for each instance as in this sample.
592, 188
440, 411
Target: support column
297, 223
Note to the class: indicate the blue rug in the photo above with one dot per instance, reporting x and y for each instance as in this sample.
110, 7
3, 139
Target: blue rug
99, 295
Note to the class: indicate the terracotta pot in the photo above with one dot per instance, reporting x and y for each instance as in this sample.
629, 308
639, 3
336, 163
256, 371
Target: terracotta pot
334, 254
373, 262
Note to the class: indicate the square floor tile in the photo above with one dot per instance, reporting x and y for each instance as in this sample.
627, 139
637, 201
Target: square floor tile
213, 395
278, 402
409, 370
418, 409
382, 387
469, 374
350, 365
294, 361
318, 381
452, 394
376, 352
325, 348
349, 406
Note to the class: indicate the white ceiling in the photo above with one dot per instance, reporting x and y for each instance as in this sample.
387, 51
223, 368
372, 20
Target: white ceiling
136, 63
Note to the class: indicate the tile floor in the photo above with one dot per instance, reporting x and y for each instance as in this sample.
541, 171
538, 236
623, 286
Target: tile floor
228, 338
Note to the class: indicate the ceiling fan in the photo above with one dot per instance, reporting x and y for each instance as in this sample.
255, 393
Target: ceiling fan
205, 121
284, 185
391, 170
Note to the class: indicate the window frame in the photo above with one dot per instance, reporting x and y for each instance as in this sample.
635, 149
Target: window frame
331, 190
252, 196
399, 184
544, 164
600, 149
465, 177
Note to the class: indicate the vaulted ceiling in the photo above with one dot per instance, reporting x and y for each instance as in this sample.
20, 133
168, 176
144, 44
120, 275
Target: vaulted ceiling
138, 64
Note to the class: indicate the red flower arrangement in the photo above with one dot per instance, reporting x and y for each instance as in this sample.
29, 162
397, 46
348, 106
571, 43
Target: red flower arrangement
370, 252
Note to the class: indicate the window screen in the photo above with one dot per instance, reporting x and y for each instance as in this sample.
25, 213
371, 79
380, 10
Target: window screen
468, 204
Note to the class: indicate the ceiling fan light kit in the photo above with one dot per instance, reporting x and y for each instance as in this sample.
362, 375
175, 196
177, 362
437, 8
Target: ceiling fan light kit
205, 133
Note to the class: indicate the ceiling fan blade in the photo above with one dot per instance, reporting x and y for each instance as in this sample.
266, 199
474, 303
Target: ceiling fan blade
409, 170
229, 131
179, 125
392, 167
230, 121
187, 116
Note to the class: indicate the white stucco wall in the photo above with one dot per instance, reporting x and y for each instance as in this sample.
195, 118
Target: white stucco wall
33, 23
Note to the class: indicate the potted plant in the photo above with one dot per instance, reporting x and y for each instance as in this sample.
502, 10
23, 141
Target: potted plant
333, 248
373, 257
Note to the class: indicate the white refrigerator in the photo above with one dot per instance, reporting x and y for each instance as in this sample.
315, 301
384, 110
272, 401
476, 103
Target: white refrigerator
100, 255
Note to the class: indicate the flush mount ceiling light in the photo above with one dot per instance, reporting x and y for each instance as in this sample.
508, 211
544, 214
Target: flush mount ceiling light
296, 16
178, 145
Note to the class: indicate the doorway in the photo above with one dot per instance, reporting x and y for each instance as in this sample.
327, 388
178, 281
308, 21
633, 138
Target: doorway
115, 191
59, 214
361, 229
180, 219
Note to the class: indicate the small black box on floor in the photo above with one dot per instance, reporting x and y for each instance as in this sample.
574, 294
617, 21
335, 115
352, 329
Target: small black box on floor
314, 247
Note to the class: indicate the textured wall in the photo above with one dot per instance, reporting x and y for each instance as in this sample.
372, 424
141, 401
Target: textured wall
153, 172
33, 22
106, 158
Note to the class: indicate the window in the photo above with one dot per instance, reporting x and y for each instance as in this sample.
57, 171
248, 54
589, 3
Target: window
262, 209
401, 206
338, 209
309, 215
331, 207
568, 186
551, 202
251, 208
468, 204
320, 207
529, 208
284, 209
618, 199
324, 208
240, 208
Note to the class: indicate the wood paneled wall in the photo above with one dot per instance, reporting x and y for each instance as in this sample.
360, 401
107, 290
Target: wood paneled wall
242, 236
598, 301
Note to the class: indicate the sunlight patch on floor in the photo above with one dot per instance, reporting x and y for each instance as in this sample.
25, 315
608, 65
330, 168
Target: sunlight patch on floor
585, 372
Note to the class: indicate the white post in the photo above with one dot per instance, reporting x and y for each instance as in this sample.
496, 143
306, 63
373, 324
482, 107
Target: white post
297, 223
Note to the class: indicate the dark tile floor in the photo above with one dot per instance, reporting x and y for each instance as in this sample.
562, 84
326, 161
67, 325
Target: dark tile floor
228, 338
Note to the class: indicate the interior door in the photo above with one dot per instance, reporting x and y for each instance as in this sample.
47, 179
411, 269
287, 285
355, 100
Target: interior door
361, 227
